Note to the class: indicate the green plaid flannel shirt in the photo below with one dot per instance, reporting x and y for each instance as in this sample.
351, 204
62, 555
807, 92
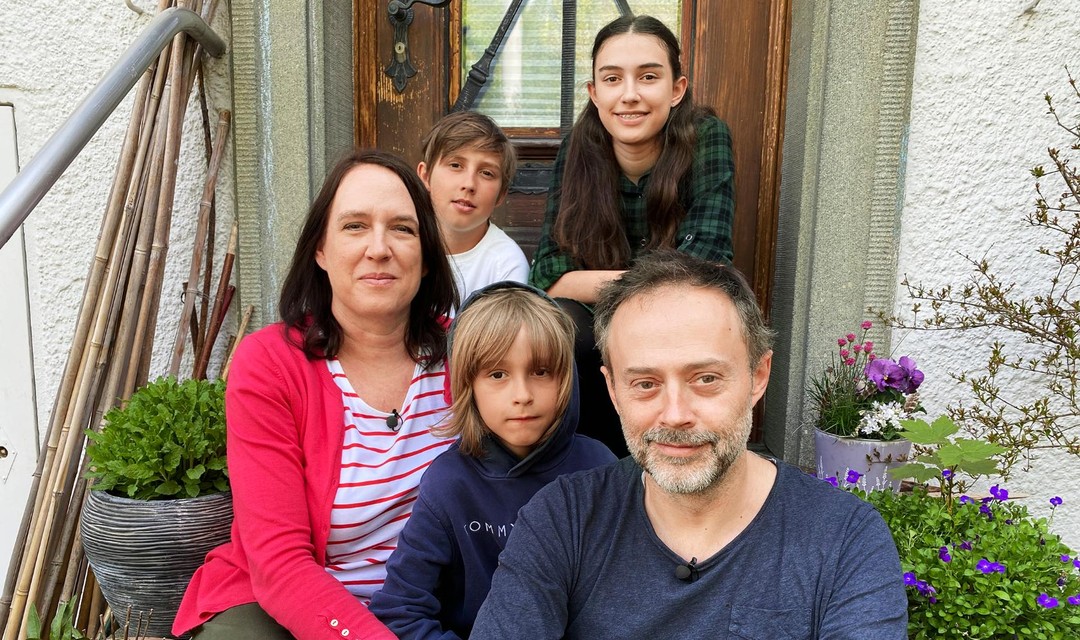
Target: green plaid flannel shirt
705, 231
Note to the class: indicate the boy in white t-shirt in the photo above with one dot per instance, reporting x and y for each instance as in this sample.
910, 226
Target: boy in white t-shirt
468, 165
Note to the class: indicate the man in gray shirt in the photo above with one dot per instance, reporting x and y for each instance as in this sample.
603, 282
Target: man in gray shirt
692, 536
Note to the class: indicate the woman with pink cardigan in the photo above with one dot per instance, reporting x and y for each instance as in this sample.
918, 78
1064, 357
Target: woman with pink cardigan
329, 416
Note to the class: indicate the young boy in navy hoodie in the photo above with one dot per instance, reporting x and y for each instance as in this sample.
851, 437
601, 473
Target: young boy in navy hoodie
515, 410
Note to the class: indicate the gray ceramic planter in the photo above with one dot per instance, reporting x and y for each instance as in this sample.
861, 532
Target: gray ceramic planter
144, 552
872, 459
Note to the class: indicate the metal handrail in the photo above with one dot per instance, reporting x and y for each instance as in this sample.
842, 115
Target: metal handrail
38, 176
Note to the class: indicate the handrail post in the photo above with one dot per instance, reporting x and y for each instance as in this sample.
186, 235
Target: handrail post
38, 176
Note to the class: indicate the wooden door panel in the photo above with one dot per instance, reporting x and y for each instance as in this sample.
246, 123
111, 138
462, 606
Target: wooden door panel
729, 57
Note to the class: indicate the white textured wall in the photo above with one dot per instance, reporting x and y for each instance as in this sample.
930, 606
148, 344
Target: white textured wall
978, 124
51, 55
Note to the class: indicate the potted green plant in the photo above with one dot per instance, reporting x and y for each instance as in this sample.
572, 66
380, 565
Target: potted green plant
975, 567
159, 499
860, 399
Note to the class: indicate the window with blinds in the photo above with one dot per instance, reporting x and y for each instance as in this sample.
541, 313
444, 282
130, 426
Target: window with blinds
523, 89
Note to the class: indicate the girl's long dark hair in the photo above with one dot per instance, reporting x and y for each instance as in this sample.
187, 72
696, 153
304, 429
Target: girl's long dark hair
589, 224
306, 295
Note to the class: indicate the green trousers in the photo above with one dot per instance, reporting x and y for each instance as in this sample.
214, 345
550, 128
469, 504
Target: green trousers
242, 622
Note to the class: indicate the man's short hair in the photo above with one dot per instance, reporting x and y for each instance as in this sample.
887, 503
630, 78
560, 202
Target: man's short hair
470, 129
669, 268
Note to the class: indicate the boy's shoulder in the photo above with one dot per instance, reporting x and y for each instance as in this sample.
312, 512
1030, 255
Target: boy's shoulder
446, 463
496, 257
498, 240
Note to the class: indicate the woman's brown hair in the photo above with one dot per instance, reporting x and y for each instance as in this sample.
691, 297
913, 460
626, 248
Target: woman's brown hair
306, 295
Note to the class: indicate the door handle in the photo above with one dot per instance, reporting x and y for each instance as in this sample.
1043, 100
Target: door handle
401, 16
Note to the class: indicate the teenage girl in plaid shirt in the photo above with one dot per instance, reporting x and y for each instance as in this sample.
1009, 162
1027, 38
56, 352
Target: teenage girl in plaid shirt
643, 168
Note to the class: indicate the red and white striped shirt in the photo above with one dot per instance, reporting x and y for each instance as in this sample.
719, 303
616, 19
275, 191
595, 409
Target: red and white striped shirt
380, 473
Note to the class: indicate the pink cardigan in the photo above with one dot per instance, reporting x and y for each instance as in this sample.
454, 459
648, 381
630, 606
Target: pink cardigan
284, 449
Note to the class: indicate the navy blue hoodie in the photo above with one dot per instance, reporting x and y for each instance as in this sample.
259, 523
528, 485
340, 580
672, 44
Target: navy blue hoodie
440, 573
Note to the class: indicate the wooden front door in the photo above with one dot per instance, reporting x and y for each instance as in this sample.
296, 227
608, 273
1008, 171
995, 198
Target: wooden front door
735, 54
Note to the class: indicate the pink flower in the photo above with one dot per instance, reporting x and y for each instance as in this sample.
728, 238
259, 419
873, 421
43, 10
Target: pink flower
871, 356
869, 346
857, 348
844, 353
841, 342
867, 324
849, 362
851, 337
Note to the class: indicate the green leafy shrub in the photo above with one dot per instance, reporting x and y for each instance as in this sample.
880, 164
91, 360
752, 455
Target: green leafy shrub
975, 568
168, 441
981, 568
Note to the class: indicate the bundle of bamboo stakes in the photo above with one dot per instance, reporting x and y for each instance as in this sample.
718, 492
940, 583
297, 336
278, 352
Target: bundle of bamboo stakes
112, 343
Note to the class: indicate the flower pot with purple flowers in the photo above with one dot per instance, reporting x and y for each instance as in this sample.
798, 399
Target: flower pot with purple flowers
861, 399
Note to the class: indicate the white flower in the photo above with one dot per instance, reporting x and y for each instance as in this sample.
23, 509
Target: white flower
882, 416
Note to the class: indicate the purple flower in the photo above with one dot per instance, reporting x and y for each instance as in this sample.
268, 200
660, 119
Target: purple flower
943, 554
966, 500
866, 324
852, 476
1076, 563
909, 579
1065, 558
986, 509
922, 587
832, 480
1061, 581
884, 373
999, 494
1047, 601
933, 600
946, 473
1074, 600
986, 566
965, 545
912, 376
1055, 501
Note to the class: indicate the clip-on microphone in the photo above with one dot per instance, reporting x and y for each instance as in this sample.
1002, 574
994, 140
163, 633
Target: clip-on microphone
687, 572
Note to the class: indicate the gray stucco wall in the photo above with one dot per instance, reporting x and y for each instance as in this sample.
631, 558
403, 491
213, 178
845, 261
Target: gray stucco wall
292, 62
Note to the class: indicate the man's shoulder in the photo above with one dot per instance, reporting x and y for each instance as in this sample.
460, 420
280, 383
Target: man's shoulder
803, 485
591, 489
829, 507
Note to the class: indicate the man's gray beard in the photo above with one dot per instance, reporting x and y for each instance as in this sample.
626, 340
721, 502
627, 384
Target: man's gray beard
690, 476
